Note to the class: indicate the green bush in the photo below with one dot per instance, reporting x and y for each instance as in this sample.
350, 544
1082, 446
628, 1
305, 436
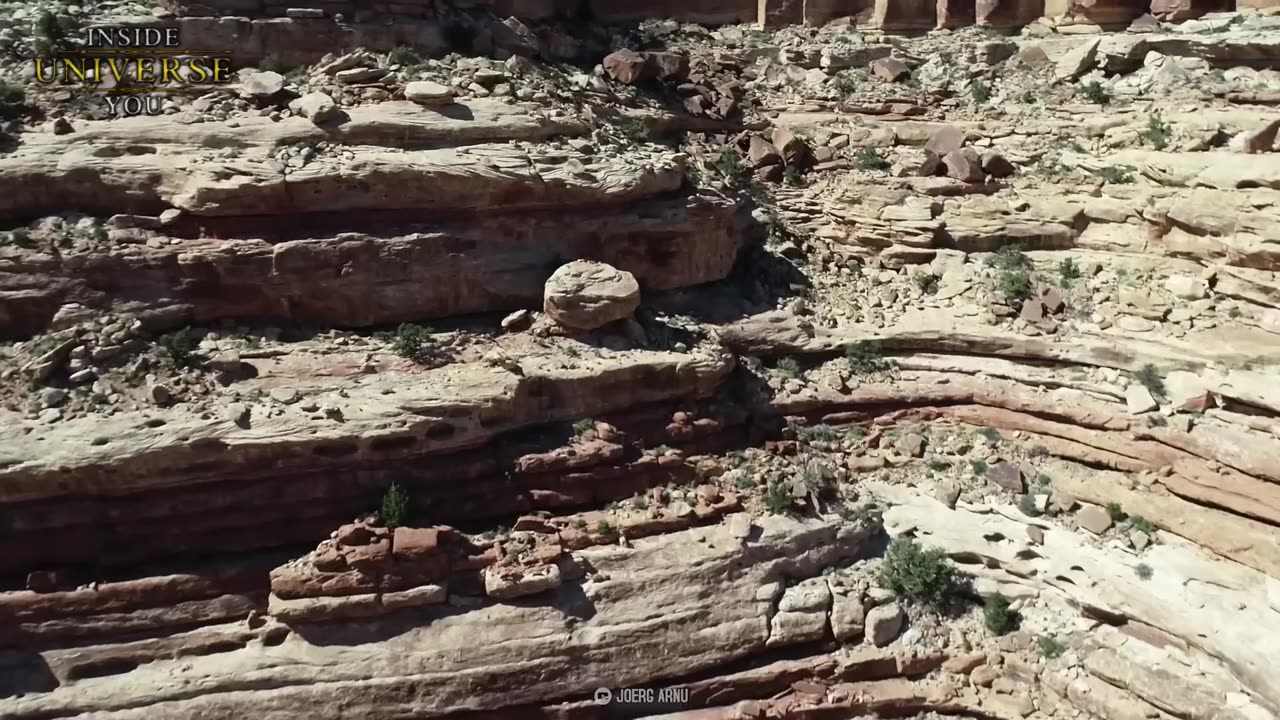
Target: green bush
1137, 522
1116, 512
604, 527
50, 35
996, 614
789, 366
404, 55
580, 427
865, 358
730, 167
927, 282
992, 435
1157, 132
1009, 257
1050, 646
1068, 272
412, 342
1027, 504
777, 499
1015, 285
181, 347
917, 573
396, 507
1095, 92
980, 91
979, 467
1149, 376
869, 158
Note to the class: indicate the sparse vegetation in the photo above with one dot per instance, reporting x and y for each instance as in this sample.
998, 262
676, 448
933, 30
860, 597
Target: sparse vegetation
991, 434
1143, 571
1068, 272
869, 158
604, 527
1157, 132
412, 342
1116, 175
1050, 647
51, 37
979, 467
581, 427
1027, 504
1015, 285
1137, 522
1116, 512
1149, 376
1095, 92
927, 282
865, 358
271, 62
789, 366
980, 91
730, 167
633, 129
1009, 257
819, 433
996, 614
12, 98
791, 176
777, 499
404, 55
917, 573
939, 465
181, 347
396, 507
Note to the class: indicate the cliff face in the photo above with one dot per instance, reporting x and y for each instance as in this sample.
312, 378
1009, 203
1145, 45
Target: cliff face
795, 372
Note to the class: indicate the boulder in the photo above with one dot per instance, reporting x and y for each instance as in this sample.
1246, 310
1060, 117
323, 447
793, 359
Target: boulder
1006, 475
586, 295
1187, 287
425, 92
946, 139
317, 107
761, 153
1261, 140
884, 623
1077, 61
848, 615
890, 68
794, 150
625, 66
1138, 399
1094, 519
964, 164
260, 85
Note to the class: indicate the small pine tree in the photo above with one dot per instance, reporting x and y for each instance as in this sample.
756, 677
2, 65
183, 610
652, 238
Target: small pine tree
395, 507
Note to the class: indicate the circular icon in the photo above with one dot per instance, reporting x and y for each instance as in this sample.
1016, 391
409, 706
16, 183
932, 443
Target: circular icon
604, 696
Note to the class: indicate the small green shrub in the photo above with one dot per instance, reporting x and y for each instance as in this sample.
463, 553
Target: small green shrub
1015, 285
271, 62
1095, 92
1157, 132
396, 507
580, 427
777, 499
1149, 376
1116, 512
979, 467
865, 358
1137, 522
181, 347
412, 342
1027, 504
791, 176
730, 167
404, 55
939, 465
917, 573
1068, 272
996, 614
18, 237
51, 37
789, 366
980, 91
1143, 571
11, 94
991, 434
604, 527
1009, 257
1050, 647
869, 158
1116, 175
